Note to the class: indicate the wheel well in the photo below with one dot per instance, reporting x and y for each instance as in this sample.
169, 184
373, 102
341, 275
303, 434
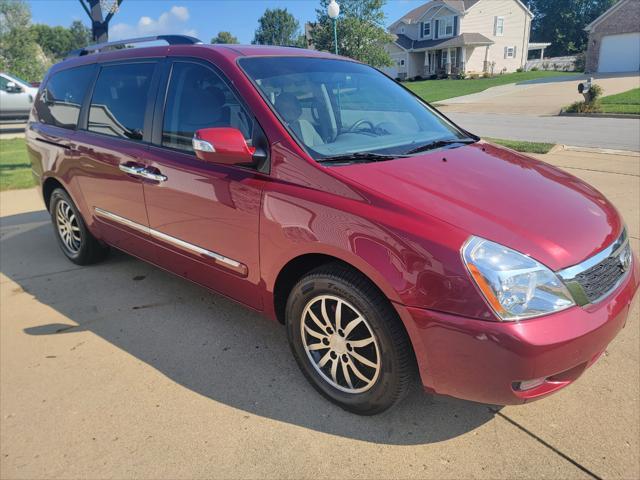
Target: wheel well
50, 184
295, 270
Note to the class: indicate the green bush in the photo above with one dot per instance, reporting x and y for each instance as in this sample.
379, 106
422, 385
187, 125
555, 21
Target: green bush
519, 69
585, 107
534, 69
596, 92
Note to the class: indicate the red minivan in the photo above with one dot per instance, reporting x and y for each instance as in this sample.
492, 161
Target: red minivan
389, 241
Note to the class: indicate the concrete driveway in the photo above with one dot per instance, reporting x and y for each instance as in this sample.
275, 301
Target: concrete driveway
122, 370
544, 96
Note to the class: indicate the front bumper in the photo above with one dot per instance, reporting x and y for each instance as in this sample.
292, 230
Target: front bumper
484, 361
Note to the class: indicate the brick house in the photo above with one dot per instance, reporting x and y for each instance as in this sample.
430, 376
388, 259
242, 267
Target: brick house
614, 39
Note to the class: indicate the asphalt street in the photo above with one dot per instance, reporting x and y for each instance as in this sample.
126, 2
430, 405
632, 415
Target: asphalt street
609, 133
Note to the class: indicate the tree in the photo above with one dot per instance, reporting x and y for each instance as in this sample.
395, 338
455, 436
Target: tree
56, 42
277, 27
361, 31
19, 52
80, 33
562, 23
224, 37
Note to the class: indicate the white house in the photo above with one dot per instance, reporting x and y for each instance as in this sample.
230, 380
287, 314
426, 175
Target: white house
446, 37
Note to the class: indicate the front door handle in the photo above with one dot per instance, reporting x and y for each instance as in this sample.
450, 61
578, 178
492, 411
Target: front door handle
136, 170
156, 177
143, 172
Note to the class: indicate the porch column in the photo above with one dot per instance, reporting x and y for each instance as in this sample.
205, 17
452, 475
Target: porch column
463, 60
542, 54
448, 61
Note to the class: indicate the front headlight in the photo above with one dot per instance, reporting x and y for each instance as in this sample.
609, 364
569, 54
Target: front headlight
516, 286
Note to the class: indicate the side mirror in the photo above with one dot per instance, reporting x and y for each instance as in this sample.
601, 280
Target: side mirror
12, 87
223, 145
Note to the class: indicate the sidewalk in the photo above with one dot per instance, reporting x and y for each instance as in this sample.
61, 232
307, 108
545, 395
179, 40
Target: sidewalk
122, 370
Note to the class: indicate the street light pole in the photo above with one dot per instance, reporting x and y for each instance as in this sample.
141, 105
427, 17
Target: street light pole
333, 10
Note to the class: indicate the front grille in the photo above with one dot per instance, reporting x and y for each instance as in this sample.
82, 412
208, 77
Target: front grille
592, 280
598, 280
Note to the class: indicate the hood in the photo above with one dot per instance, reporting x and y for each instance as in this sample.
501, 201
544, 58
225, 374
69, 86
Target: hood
500, 195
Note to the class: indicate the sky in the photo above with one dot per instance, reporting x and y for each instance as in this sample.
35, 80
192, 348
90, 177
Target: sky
199, 18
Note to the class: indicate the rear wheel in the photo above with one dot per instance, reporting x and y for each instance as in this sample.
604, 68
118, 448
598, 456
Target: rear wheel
348, 340
75, 240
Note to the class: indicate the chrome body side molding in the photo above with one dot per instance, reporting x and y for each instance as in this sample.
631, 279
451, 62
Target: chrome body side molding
221, 260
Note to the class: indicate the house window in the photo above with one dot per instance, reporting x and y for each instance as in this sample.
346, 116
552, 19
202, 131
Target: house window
454, 56
510, 52
426, 29
401, 29
402, 63
499, 30
446, 27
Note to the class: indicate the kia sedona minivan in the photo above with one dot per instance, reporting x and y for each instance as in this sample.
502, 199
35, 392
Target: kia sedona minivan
391, 243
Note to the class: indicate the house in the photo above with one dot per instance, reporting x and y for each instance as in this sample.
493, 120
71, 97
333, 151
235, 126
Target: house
614, 39
448, 37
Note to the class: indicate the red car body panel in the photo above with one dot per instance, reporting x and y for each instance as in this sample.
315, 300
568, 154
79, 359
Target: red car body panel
401, 223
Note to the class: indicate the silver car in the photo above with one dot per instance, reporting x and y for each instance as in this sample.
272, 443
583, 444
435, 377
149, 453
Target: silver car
16, 97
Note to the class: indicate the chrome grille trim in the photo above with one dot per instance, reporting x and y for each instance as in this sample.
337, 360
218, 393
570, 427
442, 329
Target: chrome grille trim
571, 275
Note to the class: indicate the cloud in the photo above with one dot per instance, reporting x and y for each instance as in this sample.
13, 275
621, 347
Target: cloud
173, 21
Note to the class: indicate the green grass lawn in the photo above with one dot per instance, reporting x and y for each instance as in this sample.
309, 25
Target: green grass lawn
626, 102
15, 167
436, 90
520, 146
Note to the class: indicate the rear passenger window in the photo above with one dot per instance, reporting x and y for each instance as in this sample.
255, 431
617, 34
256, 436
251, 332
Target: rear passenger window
120, 99
198, 98
59, 102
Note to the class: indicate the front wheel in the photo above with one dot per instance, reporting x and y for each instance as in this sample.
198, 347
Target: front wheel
348, 340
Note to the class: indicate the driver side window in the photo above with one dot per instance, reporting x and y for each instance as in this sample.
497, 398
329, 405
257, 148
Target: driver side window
198, 98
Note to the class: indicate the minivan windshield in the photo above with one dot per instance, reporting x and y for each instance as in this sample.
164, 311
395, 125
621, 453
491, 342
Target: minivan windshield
337, 108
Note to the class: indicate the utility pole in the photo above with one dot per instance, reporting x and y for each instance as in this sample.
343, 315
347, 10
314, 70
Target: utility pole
96, 10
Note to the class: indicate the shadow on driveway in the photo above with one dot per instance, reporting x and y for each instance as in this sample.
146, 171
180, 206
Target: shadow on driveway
203, 341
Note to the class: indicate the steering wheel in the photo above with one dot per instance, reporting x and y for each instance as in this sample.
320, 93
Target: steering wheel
362, 121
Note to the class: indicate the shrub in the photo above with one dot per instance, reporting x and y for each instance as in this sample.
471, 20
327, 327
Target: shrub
584, 107
534, 69
461, 76
519, 69
486, 75
596, 92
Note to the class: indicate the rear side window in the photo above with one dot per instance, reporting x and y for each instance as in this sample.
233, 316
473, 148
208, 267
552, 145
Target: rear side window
198, 98
59, 102
120, 99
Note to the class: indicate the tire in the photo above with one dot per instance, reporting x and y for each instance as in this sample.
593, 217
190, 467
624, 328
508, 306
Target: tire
383, 357
74, 239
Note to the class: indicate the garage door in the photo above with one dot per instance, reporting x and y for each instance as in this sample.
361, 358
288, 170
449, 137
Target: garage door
620, 53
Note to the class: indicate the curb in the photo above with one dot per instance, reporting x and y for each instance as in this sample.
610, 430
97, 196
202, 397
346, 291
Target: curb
599, 115
602, 151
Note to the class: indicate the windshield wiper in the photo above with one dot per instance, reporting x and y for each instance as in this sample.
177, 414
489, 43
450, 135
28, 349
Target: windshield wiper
440, 143
359, 157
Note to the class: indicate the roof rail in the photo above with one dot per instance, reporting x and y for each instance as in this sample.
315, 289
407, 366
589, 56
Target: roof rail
170, 39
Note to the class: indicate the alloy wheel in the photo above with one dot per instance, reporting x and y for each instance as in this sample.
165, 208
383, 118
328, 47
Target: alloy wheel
340, 344
68, 227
